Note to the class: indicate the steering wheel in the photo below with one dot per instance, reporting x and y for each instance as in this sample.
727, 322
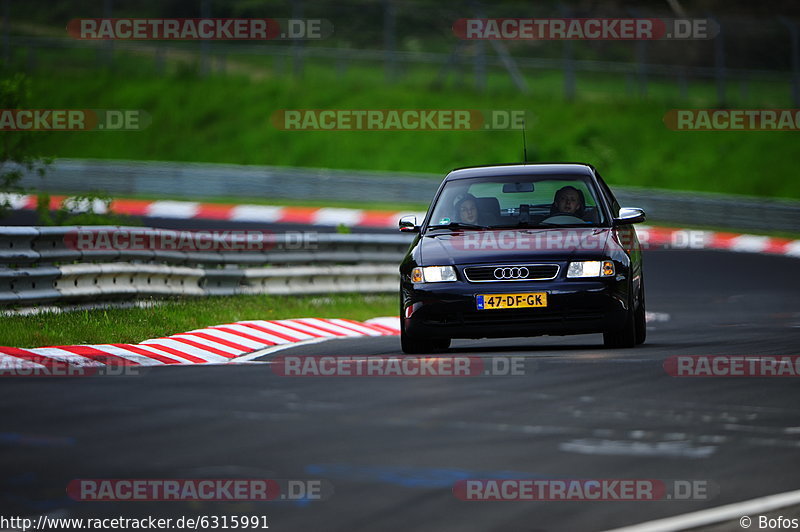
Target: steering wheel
562, 218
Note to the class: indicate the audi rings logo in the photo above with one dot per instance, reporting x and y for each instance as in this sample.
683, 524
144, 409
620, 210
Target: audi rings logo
511, 273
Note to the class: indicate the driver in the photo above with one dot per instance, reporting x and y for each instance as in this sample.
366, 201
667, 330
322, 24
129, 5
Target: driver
569, 201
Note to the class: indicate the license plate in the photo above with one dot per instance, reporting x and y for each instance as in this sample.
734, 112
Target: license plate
498, 301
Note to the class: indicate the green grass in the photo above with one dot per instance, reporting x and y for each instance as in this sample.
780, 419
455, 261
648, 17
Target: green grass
176, 316
226, 119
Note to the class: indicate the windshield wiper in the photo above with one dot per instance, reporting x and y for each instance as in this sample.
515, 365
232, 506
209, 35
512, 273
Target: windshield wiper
457, 225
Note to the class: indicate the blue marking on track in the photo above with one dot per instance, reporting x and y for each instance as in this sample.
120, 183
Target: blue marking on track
412, 477
26, 440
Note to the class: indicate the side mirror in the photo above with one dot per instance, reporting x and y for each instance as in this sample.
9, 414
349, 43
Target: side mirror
630, 215
408, 224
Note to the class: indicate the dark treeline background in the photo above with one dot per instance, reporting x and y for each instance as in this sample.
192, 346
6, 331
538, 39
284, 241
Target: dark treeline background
756, 33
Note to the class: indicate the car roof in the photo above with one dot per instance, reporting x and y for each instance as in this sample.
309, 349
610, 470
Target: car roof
521, 169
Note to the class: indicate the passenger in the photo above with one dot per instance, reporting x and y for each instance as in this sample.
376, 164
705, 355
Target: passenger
467, 210
568, 200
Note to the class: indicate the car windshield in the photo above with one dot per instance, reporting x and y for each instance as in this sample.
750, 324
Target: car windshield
517, 201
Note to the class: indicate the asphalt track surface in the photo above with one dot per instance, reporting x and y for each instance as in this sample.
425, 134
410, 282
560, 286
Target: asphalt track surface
393, 447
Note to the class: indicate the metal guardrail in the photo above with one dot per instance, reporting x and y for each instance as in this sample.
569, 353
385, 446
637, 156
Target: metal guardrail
44, 264
740, 213
201, 180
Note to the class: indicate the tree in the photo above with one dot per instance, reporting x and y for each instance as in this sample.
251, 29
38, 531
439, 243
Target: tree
17, 148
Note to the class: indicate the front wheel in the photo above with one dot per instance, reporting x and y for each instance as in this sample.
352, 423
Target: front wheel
641, 323
412, 345
625, 337
441, 344
415, 345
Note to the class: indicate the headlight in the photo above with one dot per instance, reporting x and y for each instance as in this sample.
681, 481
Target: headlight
591, 268
433, 274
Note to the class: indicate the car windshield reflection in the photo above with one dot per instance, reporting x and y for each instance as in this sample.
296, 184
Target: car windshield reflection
514, 202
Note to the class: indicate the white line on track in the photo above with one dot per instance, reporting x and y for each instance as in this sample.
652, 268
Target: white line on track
719, 514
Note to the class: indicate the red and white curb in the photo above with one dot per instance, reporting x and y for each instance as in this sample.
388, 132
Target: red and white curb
323, 216
240, 342
220, 344
674, 238
651, 237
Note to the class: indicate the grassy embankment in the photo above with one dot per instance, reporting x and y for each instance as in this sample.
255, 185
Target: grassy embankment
226, 119
175, 316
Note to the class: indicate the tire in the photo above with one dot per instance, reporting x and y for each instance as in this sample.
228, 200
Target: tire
414, 345
641, 321
441, 344
625, 337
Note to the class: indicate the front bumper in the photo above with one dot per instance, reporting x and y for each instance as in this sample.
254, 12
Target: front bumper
574, 306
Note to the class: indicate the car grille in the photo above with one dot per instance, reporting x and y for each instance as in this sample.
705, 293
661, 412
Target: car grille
511, 272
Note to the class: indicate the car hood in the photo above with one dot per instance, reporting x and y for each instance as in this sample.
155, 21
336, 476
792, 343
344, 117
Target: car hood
513, 245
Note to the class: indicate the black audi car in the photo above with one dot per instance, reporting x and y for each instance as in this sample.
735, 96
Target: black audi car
522, 250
